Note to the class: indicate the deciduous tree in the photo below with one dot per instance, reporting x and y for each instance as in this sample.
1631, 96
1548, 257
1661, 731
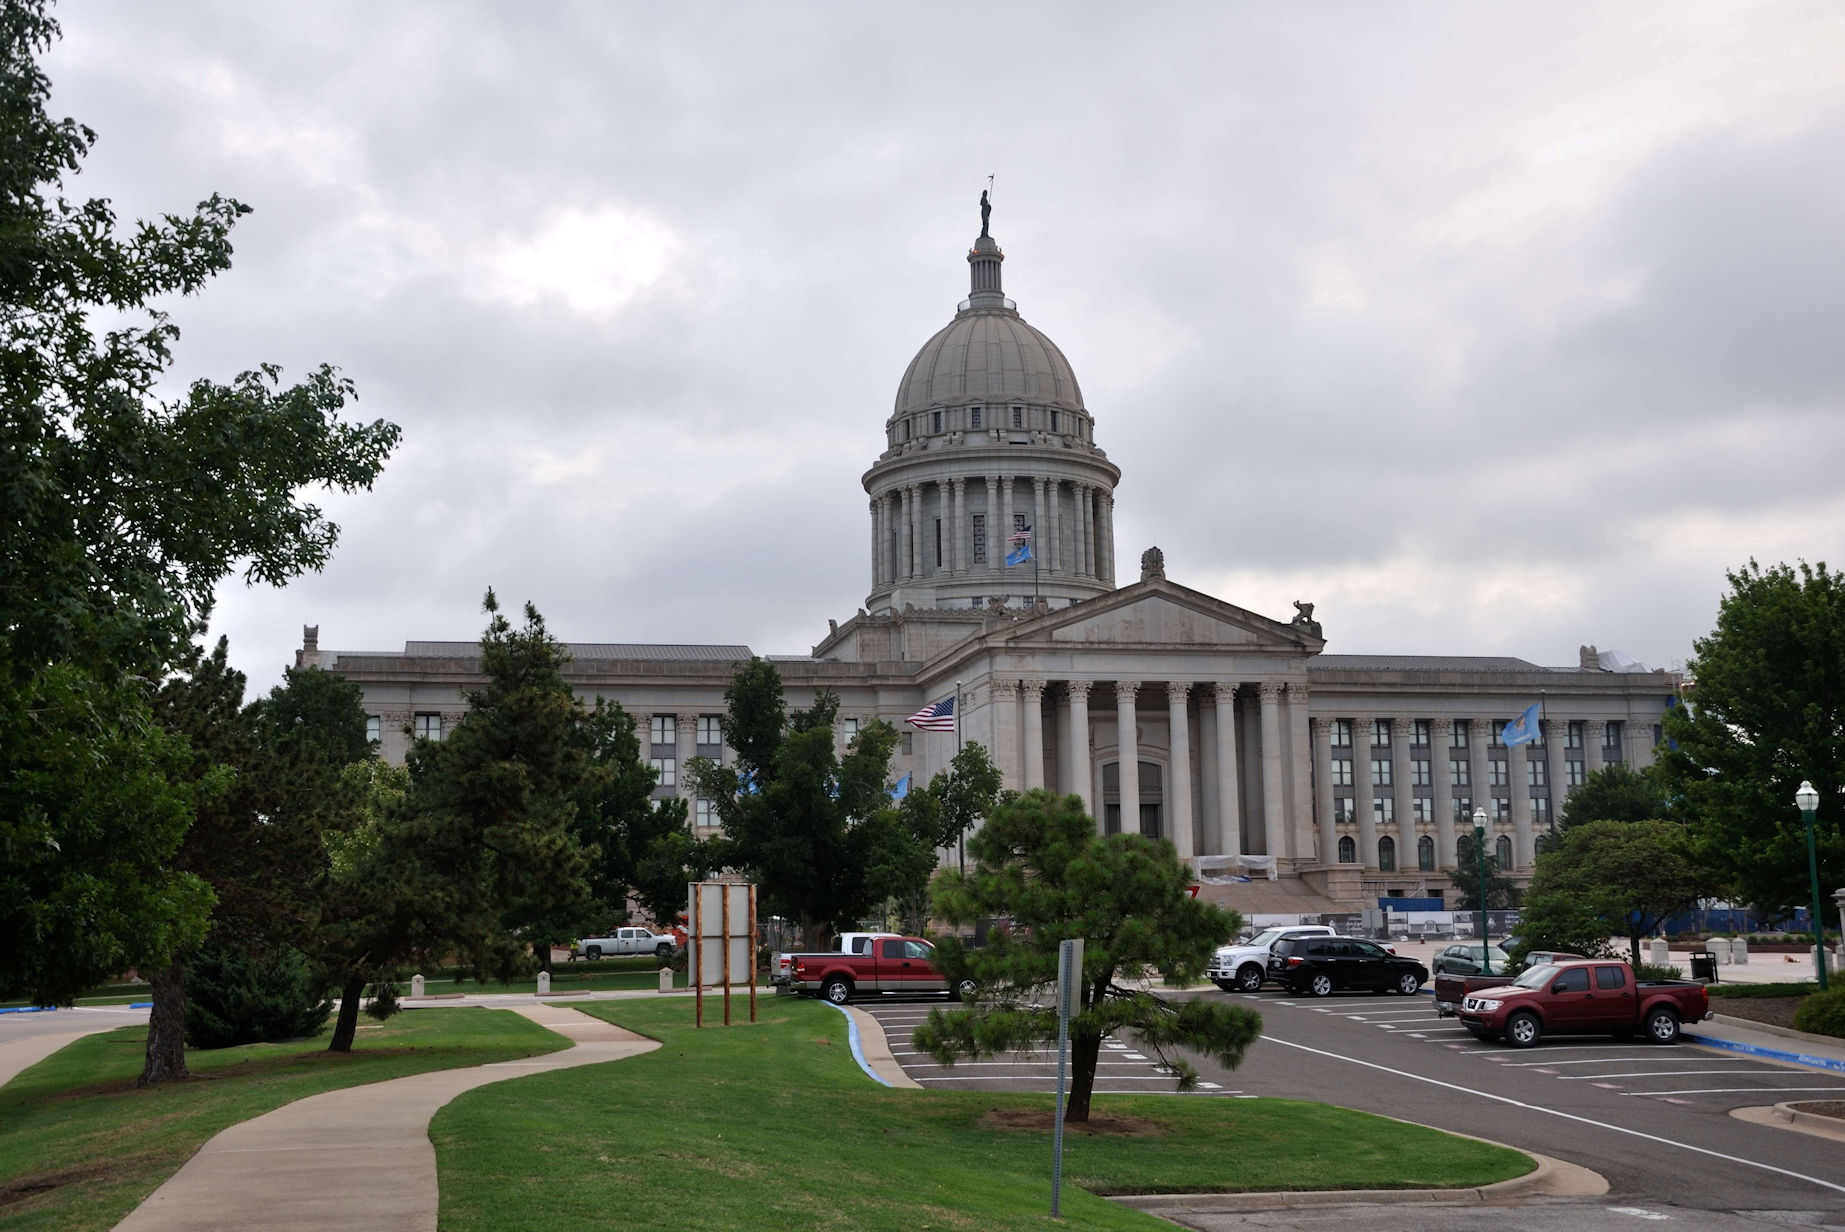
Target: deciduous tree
1629, 875
1039, 863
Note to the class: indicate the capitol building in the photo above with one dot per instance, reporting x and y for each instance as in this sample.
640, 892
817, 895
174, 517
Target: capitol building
1329, 779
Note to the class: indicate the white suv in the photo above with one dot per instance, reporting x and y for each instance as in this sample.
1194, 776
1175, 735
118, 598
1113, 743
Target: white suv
1242, 968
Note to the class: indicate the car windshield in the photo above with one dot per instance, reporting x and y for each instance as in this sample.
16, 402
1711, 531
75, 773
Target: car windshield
1264, 937
1537, 977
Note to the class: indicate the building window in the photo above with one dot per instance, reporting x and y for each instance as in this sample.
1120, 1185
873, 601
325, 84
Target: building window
1018, 417
906, 431
1386, 855
1540, 809
973, 417
1384, 809
1380, 772
1380, 733
1053, 421
1419, 774
1463, 810
1659, 734
710, 729
938, 543
1493, 734
1504, 849
1458, 774
1342, 772
665, 729
980, 538
1018, 524
1348, 850
1495, 774
1425, 854
1502, 809
848, 728
1459, 739
1421, 733
1612, 739
1535, 773
1341, 733
1573, 736
1342, 808
1423, 808
374, 727
704, 813
907, 741
427, 726
1575, 772
935, 421
665, 771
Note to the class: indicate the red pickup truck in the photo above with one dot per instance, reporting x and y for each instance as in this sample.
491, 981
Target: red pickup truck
1583, 998
892, 965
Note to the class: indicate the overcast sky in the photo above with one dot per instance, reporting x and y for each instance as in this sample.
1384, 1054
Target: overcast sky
1490, 329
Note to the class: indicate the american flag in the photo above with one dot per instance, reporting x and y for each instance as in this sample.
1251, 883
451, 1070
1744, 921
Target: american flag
937, 717
1022, 535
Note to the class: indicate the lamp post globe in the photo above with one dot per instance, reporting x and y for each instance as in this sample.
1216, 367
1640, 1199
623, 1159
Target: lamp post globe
1807, 801
1479, 855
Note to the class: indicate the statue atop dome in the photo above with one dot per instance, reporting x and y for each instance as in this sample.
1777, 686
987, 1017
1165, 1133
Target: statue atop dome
986, 212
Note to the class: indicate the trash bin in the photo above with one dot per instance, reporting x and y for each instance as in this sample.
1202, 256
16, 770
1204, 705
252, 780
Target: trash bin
1704, 966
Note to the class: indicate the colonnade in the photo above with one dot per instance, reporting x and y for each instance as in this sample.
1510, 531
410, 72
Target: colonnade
901, 550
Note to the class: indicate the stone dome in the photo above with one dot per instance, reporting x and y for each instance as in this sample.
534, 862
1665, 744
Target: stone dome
988, 355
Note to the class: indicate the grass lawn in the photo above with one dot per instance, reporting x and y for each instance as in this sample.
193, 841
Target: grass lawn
80, 1146
775, 1126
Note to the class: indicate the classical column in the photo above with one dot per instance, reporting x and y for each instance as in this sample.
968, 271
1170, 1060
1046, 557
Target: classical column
1229, 793
1403, 792
1482, 784
1594, 735
996, 538
1323, 802
1441, 736
1032, 694
1106, 557
1005, 532
1039, 530
1078, 739
958, 554
1556, 752
1127, 754
1053, 555
1079, 521
1179, 797
1300, 772
1516, 760
685, 728
1363, 791
1273, 787
877, 568
904, 571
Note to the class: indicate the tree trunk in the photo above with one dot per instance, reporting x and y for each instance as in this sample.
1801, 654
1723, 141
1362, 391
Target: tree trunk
542, 951
166, 1027
1084, 1051
348, 1024
815, 934
1633, 940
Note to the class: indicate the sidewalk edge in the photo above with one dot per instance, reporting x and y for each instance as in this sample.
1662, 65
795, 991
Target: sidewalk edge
1552, 1177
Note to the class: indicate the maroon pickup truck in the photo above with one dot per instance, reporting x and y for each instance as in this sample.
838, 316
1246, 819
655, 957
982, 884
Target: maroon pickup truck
1583, 998
893, 965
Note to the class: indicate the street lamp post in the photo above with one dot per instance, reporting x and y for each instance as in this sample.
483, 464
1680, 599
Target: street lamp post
1808, 800
1479, 854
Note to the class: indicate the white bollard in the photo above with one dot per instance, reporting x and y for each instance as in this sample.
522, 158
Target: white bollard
1739, 951
1657, 952
416, 985
666, 979
1719, 948
544, 983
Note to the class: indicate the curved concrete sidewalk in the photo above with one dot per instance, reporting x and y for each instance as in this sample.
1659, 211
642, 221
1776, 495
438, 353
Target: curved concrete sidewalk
357, 1159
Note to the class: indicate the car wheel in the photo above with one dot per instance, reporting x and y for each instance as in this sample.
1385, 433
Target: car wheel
1320, 984
593, 953
1662, 1026
1249, 978
838, 990
1523, 1030
967, 989
1407, 984
662, 951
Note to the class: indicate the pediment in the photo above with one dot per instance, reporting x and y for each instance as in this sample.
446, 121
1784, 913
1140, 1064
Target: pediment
1161, 614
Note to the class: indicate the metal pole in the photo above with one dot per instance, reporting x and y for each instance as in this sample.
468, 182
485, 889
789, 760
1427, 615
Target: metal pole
1069, 980
1819, 919
752, 951
1479, 853
961, 836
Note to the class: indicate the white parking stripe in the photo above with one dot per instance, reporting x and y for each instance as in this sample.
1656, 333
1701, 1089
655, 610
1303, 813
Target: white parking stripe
1613, 1061
1567, 1116
1043, 1078
1667, 1074
1737, 1091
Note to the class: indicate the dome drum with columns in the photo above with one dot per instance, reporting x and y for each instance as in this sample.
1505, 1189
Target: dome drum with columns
1333, 778
989, 434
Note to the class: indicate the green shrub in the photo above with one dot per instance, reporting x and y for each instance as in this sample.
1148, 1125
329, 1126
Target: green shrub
1652, 971
1747, 991
238, 995
1823, 1013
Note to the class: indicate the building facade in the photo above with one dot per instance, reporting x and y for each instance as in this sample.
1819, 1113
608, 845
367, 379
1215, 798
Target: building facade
1330, 779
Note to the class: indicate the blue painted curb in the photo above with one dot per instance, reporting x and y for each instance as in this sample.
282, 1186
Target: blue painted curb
1773, 1054
858, 1053
52, 1009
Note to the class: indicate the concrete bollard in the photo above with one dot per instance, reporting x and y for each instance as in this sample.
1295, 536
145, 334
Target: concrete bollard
666, 979
1720, 950
416, 985
1739, 951
544, 983
1657, 952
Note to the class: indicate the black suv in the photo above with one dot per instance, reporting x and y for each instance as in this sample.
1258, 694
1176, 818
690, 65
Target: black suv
1321, 965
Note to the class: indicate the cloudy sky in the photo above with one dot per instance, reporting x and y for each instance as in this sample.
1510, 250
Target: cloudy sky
1491, 329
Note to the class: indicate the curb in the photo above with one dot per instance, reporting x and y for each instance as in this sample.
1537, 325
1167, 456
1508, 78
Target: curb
858, 1052
1551, 1176
1771, 1054
1749, 1024
52, 1009
1783, 1116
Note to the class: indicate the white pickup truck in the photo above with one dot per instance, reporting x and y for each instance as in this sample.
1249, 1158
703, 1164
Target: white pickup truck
1242, 968
627, 941
781, 963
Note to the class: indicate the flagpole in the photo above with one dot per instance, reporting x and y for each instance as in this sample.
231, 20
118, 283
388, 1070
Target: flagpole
1544, 727
961, 838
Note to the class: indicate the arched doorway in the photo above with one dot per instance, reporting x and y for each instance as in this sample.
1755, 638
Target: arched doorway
1152, 798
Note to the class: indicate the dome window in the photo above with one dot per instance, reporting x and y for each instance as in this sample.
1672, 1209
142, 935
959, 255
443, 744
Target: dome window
935, 421
1053, 421
906, 431
1018, 417
973, 417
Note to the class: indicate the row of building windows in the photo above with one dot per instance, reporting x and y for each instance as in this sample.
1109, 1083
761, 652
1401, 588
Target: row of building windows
976, 422
1341, 733
1460, 773
1425, 853
1384, 809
